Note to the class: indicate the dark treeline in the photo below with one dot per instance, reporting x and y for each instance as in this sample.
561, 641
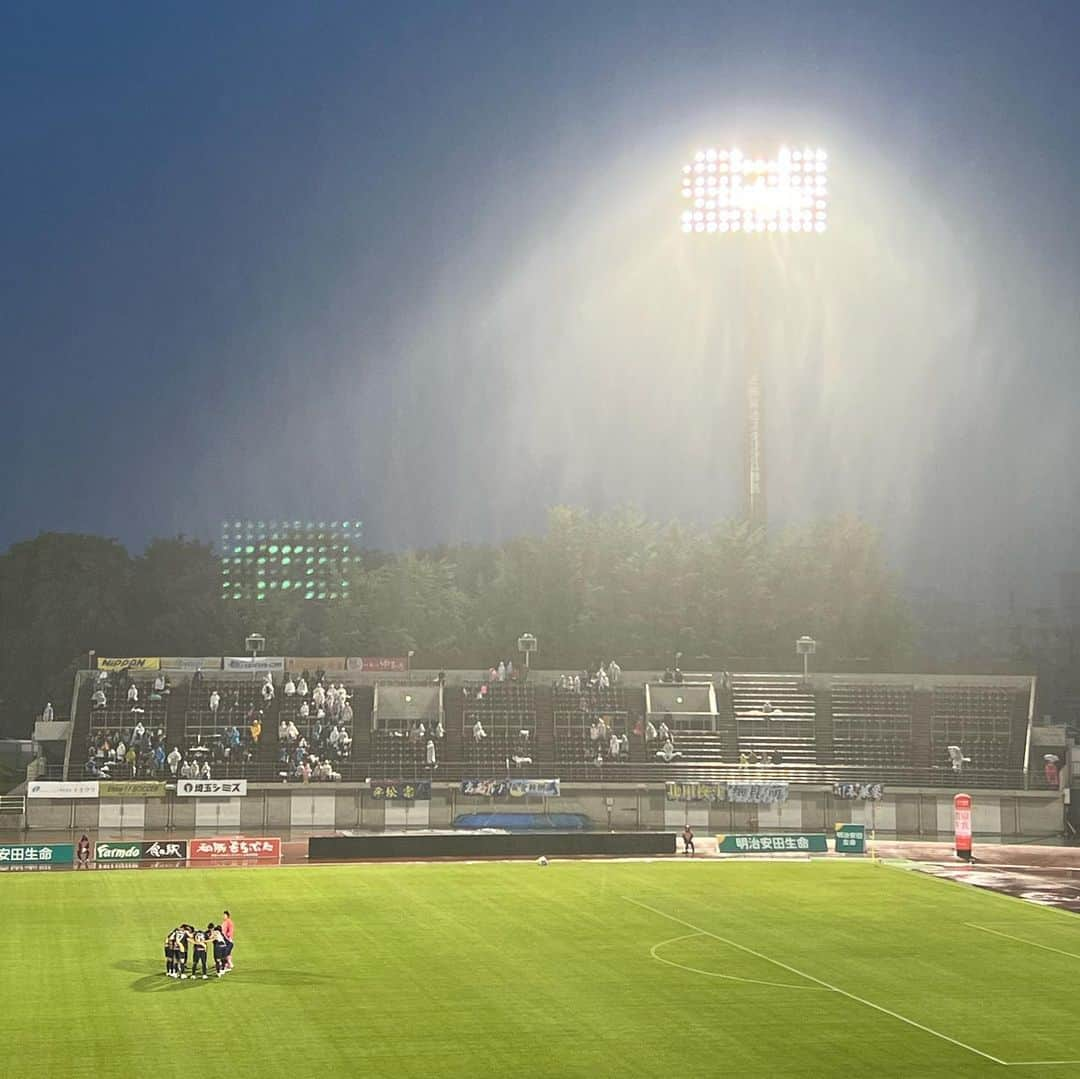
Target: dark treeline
592, 587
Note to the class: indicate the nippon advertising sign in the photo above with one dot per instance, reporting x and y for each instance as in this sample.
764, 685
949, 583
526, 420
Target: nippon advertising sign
211, 788
129, 663
84, 788
210, 850
12, 854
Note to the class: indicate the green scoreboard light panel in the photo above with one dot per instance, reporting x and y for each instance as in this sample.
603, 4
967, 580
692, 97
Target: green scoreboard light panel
311, 560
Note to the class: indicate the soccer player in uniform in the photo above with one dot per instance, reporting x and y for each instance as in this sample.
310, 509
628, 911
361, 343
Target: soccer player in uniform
183, 939
199, 955
170, 955
227, 933
219, 949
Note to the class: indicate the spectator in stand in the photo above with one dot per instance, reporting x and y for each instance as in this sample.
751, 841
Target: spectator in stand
98, 699
187, 770
478, 732
290, 687
159, 758
138, 734
301, 687
267, 690
130, 757
133, 694
602, 678
776, 757
650, 731
334, 737
624, 745
47, 713
305, 710
1050, 770
215, 703
744, 759
282, 731
205, 772
668, 753
440, 730
665, 730
429, 755
292, 733
347, 714
159, 684
957, 758
345, 745
509, 670
91, 767
174, 760
318, 696
614, 746
614, 672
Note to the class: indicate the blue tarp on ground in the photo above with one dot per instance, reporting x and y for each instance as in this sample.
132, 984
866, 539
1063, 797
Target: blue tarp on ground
525, 822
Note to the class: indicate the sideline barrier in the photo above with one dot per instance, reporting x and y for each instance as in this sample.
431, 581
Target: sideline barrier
518, 845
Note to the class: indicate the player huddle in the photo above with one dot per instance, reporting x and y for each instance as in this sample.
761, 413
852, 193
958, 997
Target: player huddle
186, 943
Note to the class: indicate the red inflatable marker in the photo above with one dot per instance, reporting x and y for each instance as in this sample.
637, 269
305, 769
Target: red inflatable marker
962, 825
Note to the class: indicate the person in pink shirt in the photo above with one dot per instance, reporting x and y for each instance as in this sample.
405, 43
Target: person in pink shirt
227, 933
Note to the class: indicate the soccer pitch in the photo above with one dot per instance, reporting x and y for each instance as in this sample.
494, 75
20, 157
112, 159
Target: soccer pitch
673, 968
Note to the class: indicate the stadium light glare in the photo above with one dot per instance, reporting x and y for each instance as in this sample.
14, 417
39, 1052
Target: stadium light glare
733, 192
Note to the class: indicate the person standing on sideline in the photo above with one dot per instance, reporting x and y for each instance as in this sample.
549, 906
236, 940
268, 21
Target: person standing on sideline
688, 840
227, 933
83, 851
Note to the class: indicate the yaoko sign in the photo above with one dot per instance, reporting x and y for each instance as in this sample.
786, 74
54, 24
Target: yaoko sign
962, 825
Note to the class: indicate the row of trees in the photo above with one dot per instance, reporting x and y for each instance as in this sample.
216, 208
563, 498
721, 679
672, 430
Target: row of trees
592, 587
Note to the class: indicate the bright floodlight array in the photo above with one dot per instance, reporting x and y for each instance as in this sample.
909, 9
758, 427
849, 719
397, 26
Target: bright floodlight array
729, 191
315, 560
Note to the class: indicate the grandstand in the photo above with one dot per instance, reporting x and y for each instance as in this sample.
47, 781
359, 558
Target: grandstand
860, 728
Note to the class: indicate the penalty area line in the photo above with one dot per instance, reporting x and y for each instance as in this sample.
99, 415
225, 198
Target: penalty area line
1021, 940
826, 985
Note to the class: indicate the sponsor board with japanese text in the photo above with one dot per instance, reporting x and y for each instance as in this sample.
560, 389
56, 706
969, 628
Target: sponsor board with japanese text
155, 850
850, 839
395, 790
510, 788
128, 663
865, 792
296, 664
208, 850
37, 854
211, 788
803, 843
83, 788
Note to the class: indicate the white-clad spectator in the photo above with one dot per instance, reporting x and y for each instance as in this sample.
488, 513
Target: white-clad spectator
478, 732
500, 672
47, 713
602, 678
159, 682
205, 773
187, 770
345, 744
267, 691
173, 760
614, 672
650, 731
957, 758
282, 731
602, 729
133, 694
665, 731
292, 733
509, 670
421, 731
594, 731
305, 709
121, 750
334, 736
430, 754
346, 713
98, 699
624, 745
668, 753
290, 687
577, 683
318, 697
138, 734
440, 730
614, 746
301, 687
215, 702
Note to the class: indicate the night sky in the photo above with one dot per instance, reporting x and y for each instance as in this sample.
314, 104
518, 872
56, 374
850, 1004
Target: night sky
420, 264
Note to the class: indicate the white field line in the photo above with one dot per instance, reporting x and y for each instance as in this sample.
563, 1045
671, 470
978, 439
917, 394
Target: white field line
821, 982
1021, 940
655, 949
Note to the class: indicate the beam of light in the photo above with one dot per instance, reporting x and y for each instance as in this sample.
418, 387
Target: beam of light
727, 191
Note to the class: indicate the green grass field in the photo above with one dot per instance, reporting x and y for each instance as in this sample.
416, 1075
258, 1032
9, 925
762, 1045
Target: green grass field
782, 969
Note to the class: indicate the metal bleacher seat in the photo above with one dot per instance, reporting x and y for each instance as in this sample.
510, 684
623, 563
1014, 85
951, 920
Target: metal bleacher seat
872, 723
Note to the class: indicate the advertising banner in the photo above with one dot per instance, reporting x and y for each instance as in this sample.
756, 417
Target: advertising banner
117, 852
850, 839
246, 663
510, 788
164, 850
962, 825
191, 663
134, 788
757, 793
32, 854
296, 664
398, 790
208, 850
128, 663
211, 788
79, 788
867, 792
695, 792
377, 663
769, 844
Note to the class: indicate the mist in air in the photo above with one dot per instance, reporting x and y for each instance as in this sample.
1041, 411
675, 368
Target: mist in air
424, 267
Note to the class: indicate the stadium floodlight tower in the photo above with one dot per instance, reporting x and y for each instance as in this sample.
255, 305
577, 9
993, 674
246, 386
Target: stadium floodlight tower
773, 201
